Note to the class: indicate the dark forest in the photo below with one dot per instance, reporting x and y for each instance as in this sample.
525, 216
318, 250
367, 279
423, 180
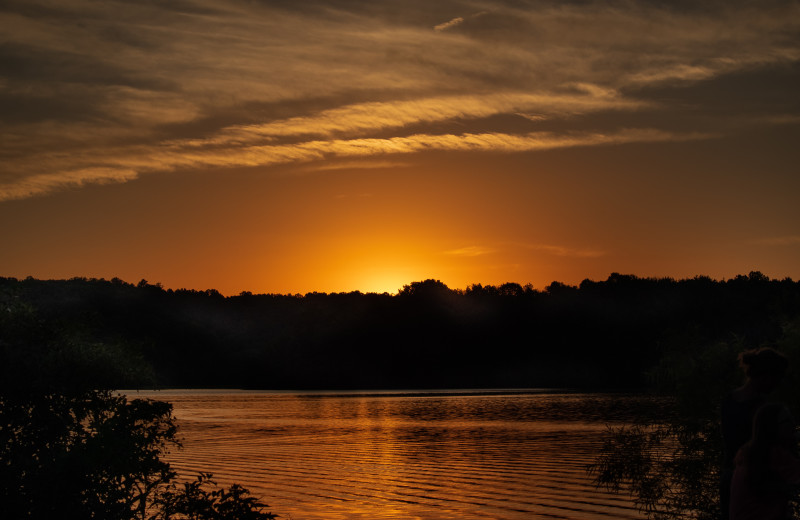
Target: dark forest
601, 334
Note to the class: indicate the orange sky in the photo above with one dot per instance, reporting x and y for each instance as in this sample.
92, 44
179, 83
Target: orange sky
347, 145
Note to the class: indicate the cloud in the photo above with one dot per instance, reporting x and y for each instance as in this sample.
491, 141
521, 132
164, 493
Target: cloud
263, 155
105, 91
533, 117
358, 165
679, 72
470, 251
120, 165
45, 183
366, 117
447, 25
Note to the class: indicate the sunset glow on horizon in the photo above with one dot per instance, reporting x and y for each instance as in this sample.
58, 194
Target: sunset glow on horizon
334, 146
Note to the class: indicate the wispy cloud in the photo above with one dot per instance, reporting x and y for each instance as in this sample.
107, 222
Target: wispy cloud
357, 165
103, 92
533, 117
448, 25
680, 72
121, 165
48, 182
367, 117
470, 251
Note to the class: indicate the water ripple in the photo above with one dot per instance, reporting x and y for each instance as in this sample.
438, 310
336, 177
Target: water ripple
424, 456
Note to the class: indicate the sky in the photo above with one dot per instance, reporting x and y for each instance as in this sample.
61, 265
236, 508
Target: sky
290, 147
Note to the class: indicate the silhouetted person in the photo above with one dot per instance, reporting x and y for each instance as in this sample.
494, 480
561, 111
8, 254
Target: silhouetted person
764, 368
767, 467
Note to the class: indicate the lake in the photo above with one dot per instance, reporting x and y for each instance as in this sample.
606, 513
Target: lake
431, 455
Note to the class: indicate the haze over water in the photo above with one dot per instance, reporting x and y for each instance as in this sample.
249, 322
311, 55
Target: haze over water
410, 455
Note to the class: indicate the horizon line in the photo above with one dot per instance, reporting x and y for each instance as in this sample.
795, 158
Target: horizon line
527, 287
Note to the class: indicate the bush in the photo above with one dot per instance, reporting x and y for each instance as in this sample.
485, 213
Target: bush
671, 466
99, 455
71, 450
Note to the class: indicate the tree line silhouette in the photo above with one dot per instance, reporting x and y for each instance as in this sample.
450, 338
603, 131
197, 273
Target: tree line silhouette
72, 448
599, 334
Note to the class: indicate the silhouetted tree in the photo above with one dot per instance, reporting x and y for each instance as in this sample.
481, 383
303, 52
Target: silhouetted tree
671, 467
71, 449
201, 499
429, 288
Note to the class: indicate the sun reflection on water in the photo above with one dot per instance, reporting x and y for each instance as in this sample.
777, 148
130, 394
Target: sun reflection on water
401, 456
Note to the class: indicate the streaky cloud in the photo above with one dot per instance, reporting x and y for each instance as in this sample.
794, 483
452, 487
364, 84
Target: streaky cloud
470, 251
49, 182
150, 87
676, 73
364, 117
125, 165
448, 25
358, 165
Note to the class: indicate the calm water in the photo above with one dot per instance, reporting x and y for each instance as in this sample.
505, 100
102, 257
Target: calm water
431, 456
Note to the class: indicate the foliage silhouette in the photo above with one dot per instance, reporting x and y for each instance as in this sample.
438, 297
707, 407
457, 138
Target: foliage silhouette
671, 467
426, 336
201, 499
62, 340
71, 450
98, 455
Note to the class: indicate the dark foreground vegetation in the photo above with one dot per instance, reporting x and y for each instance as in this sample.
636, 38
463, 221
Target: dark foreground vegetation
70, 448
603, 334
92, 454
671, 463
